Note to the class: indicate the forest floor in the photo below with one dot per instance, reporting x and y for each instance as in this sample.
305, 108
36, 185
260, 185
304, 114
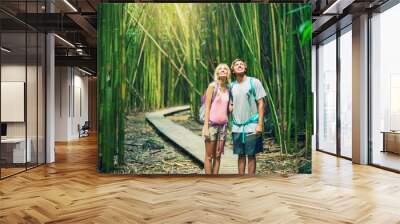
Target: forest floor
269, 161
148, 153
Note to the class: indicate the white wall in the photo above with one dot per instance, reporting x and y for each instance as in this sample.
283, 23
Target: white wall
71, 94
13, 73
62, 82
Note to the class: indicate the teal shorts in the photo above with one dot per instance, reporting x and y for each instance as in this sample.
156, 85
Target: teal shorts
252, 145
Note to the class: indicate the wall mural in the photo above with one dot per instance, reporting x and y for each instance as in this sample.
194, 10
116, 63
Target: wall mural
195, 88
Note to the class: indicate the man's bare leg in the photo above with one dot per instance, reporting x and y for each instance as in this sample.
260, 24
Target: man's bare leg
252, 165
241, 164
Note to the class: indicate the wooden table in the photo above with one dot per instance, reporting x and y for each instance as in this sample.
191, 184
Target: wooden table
391, 141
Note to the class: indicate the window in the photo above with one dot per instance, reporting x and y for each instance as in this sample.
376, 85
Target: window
327, 96
346, 92
385, 89
22, 65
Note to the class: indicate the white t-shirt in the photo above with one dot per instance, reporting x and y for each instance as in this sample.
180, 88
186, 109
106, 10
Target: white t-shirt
244, 105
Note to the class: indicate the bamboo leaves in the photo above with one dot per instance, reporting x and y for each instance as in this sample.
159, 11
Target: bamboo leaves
305, 31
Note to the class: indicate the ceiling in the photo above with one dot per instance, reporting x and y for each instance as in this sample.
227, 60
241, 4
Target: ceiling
75, 21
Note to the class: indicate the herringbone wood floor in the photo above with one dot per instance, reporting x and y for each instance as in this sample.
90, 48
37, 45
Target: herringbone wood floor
71, 191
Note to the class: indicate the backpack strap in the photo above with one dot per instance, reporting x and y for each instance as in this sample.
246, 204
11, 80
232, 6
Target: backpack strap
230, 91
215, 91
251, 84
252, 90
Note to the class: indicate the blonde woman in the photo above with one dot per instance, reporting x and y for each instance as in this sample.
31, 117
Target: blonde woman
216, 118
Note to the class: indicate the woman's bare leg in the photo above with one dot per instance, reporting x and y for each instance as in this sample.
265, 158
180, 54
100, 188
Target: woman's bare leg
209, 155
217, 158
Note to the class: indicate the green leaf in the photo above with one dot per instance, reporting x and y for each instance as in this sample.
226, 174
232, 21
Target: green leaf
305, 31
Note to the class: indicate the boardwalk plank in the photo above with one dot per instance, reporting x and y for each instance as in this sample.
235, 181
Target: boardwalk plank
187, 140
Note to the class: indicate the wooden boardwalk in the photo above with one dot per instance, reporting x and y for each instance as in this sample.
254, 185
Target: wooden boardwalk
187, 140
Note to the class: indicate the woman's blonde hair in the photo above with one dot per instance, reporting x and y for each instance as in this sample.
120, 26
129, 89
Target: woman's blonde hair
228, 75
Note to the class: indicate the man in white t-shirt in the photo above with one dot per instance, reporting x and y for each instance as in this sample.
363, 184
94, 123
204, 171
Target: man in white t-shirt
247, 116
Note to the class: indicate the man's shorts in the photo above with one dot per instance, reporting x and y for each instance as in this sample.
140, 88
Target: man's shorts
252, 145
217, 132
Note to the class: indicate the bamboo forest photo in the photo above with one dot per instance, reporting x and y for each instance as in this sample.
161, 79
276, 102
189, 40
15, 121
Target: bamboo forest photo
204, 88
